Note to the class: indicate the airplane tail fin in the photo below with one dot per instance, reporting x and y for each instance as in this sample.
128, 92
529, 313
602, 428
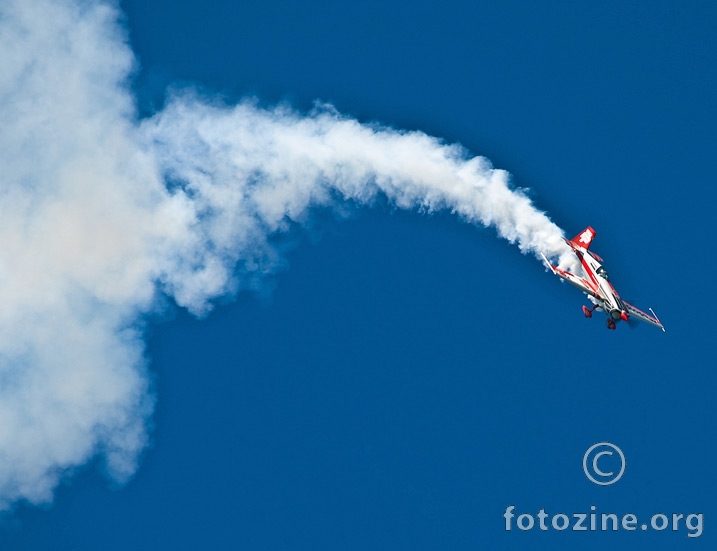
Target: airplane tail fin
584, 238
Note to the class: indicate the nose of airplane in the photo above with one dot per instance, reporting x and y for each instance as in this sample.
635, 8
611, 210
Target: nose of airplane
623, 316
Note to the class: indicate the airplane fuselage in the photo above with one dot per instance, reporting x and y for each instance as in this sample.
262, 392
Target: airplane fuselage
606, 296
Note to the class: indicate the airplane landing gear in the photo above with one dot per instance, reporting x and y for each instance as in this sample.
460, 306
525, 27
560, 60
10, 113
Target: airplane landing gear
611, 324
588, 311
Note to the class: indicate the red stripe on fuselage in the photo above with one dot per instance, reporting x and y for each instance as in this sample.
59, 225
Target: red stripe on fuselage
614, 292
587, 268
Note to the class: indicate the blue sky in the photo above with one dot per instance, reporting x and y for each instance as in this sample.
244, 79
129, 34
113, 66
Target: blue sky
403, 378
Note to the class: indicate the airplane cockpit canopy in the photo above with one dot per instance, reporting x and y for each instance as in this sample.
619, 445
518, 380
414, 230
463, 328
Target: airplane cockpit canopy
602, 272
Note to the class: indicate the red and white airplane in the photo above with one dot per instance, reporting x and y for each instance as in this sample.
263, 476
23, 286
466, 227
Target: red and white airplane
597, 286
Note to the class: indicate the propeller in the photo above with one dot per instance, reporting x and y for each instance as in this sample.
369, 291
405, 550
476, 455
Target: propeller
632, 322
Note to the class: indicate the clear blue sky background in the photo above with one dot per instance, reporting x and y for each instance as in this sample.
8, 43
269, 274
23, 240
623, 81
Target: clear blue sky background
407, 378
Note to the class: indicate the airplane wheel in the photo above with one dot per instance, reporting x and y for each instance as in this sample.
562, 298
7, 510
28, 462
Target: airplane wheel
611, 324
588, 313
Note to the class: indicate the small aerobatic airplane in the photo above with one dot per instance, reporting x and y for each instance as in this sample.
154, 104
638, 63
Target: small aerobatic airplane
597, 286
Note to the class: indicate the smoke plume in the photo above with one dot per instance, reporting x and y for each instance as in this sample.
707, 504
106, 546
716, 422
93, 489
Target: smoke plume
103, 215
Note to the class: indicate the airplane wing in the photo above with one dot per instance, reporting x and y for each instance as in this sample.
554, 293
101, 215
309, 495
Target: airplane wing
639, 314
583, 284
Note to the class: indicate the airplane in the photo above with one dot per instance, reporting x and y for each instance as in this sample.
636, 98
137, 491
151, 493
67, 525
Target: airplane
597, 286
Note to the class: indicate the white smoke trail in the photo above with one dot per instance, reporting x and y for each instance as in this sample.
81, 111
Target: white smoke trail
101, 215
246, 172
